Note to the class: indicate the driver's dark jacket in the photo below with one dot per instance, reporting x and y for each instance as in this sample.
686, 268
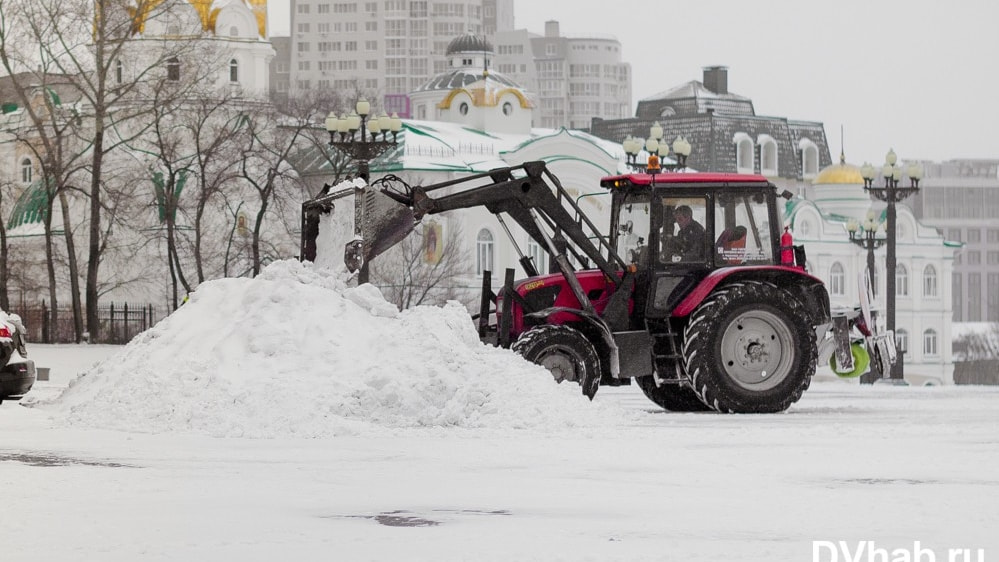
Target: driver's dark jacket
691, 241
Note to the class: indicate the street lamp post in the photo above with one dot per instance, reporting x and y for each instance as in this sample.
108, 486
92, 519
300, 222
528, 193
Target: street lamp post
658, 150
892, 193
867, 236
362, 149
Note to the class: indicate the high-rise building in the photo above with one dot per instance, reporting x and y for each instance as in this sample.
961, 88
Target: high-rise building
574, 78
383, 48
961, 198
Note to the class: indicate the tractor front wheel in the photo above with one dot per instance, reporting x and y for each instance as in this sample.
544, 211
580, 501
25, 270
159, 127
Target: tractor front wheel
749, 348
564, 351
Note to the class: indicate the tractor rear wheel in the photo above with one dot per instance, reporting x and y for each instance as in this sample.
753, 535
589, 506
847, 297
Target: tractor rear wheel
749, 348
564, 351
672, 397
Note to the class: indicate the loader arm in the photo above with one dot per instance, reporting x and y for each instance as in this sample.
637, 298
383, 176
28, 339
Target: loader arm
517, 197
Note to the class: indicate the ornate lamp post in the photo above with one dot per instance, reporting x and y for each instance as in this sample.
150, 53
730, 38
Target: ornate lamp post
892, 193
658, 150
362, 150
867, 236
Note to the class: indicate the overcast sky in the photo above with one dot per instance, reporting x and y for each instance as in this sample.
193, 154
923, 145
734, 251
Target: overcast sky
918, 76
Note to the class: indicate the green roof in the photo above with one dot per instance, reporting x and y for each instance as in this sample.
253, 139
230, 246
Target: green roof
31, 206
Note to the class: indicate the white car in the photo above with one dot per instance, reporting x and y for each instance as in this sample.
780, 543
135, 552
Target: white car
17, 372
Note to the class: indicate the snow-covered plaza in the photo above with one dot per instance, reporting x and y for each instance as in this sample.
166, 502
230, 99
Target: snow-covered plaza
293, 417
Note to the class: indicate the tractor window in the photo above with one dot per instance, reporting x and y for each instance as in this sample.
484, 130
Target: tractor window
683, 235
633, 229
742, 225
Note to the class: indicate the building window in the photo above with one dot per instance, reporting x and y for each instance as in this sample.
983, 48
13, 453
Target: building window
463, 108
483, 251
173, 69
956, 295
768, 155
234, 70
234, 31
538, 256
507, 108
26, 171
901, 281
119, 71
992, 298
901, 340
974, 297
809, 158
837, 280
744, 158
930, 281
930, 343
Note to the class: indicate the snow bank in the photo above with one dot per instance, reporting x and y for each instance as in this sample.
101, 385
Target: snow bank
295, 352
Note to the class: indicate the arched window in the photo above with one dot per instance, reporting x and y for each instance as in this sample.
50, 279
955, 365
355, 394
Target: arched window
119, 71
538, 256
901, 340
837, 280
875, 283
768, 155
234, 70
930, 281
173, 69
809, 158
744, 157
483, 251
930, 342
901, 280
27, 170
234, 31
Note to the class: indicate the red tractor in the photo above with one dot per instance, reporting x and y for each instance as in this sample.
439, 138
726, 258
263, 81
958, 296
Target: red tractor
692, 294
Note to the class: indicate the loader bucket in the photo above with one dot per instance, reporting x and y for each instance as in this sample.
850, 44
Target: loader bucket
384, 223
359, 224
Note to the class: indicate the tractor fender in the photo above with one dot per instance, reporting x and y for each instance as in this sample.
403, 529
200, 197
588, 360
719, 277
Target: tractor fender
597, 322
779, 274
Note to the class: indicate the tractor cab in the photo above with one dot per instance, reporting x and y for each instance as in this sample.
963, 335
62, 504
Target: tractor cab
675, 229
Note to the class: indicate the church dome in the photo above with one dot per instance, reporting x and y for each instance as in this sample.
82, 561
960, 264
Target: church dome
462, 77
839, 174
468, 43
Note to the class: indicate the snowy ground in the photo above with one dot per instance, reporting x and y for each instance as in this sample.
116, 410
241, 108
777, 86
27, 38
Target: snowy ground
113, 470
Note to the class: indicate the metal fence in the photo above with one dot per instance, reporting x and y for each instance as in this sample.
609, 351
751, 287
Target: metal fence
120, 322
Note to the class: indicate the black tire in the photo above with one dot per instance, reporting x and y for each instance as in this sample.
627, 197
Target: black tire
564, 351
672, 397
749, 348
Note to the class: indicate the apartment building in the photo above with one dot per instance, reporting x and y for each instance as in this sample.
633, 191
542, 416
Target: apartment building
384, 48
574, 78
961, 198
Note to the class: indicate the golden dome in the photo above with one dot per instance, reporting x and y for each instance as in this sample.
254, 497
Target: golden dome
206, 14
839, 174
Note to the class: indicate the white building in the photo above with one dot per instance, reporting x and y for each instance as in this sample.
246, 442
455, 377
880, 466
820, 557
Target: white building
925, 263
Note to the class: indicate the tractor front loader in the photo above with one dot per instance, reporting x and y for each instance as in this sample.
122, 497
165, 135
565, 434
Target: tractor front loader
718, 316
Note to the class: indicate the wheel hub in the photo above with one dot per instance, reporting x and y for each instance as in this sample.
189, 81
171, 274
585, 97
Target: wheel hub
561, 366
757, 350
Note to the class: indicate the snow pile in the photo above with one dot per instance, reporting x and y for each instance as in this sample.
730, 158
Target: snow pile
295, 352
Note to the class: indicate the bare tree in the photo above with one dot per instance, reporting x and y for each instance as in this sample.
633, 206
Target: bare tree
92, 43
49, 130
425, 268
278, 147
